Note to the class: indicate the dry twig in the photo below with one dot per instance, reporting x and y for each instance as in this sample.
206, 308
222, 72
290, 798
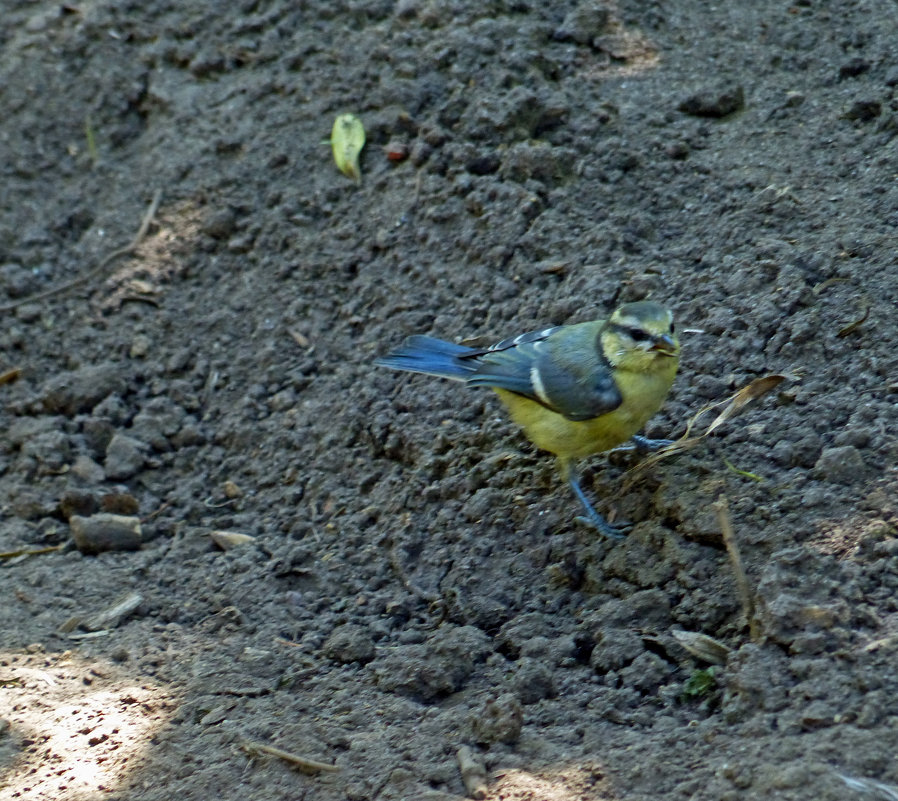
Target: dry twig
90, 274
304, 764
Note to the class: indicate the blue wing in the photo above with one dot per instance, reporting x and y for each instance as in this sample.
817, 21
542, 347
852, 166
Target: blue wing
561, 368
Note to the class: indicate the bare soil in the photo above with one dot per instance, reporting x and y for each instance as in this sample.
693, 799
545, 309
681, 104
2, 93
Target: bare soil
416, 581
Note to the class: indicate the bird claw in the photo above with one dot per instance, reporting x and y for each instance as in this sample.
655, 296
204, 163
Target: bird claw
600, 524
592, 518
646, 445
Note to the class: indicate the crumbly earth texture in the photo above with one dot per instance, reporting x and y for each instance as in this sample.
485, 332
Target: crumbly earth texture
415, 581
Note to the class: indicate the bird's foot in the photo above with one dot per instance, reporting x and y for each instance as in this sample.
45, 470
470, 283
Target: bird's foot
645, 445
592, 518
600, 524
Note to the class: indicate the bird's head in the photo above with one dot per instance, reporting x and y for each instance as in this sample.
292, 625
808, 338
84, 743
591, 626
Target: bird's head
640, 336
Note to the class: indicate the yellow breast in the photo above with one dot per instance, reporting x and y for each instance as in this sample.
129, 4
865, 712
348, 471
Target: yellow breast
643, 393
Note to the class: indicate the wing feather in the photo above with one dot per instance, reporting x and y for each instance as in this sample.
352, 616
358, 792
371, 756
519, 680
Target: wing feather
560, 368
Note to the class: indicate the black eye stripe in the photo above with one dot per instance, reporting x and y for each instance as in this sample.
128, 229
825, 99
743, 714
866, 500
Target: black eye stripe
633, 332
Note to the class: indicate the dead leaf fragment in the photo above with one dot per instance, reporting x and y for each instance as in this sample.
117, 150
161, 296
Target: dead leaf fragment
853, 326
733, 405
232, 490
347, 141
8, 376
702, 646
226, 540
113, 616
748, 393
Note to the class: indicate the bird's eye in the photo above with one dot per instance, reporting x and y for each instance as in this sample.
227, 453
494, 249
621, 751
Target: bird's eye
673, 328
637, 334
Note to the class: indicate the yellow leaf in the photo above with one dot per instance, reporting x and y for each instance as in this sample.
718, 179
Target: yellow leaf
347, 141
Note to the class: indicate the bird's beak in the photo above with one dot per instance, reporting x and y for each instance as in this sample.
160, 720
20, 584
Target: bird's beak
665, 344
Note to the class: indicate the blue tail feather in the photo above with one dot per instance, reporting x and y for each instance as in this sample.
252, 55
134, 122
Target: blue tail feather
422, 354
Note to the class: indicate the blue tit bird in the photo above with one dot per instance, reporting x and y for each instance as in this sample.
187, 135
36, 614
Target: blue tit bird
575, 390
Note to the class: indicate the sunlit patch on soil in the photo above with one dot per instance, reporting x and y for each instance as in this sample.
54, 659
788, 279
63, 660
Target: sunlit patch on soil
620, 51
72, 728
159, 258
569, 784
844, 538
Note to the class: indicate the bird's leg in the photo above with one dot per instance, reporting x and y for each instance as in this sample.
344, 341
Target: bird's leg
645, 445
592, 517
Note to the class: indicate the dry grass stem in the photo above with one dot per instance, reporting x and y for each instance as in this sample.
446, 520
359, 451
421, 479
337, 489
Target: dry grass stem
303, 763
31, 551
732, 406
743, 587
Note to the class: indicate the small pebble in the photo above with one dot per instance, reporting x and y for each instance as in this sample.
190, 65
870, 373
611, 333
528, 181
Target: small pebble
219, 224
714, 103
533, 681
140, 346
80, 390
863, 110
105, 532
124, 457
584, 23
677, 150
350, 643
499, 720
783, 453
854, 67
